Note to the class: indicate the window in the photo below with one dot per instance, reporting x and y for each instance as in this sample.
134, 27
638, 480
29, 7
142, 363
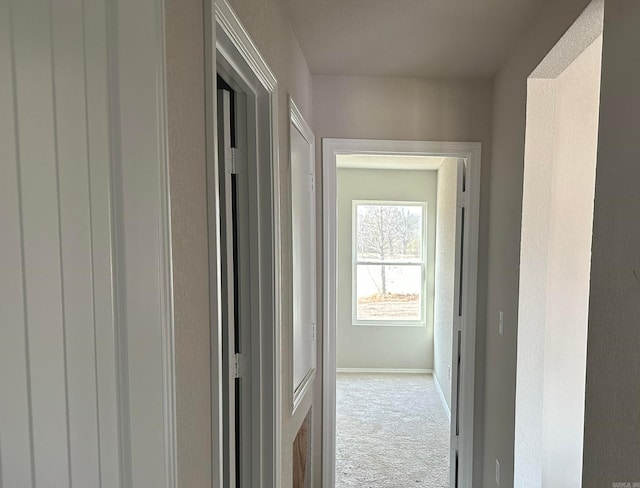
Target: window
388, 263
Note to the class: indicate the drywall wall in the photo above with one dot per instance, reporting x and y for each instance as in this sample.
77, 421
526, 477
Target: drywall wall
414, 109
379, 346
612, 397
557, 219
267, 25
446, 210
536, 208
184, 34
505, 205
402, 108
569, 259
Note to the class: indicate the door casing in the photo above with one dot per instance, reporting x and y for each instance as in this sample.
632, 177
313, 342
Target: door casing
229, 49
469, 151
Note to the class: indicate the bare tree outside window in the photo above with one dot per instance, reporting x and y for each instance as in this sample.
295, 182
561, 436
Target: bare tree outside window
389, 261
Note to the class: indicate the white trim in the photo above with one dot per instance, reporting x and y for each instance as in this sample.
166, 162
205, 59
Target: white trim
355, 262
144, 263
329, 309
118, 245
441, 395
166, 272
298, 121
234, 48
390, 162
229, 24
215, 299
300, 391
467, 150
384, 371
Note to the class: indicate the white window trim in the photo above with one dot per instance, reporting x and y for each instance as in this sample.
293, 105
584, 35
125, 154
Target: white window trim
422, 322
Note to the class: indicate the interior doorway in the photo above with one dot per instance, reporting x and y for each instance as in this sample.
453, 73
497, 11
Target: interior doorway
244, 256
238, 327
380, 288
561, 144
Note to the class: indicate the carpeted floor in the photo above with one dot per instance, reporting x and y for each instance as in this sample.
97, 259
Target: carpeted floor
392, 432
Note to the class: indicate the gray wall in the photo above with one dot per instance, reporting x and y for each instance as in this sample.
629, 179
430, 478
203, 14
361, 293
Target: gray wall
184, 33
510, 94
268, 27
612, 424
393, 346
415, 109
444, 275
612, 392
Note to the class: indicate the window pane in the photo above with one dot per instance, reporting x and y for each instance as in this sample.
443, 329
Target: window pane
389, 232
389, 292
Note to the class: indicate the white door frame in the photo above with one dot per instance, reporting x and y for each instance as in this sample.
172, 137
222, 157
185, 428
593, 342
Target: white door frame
470, 151
230, 46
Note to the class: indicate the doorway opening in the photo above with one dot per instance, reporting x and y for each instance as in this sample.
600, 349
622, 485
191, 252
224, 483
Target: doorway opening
400, 242
244, 256
239, 330
563, 103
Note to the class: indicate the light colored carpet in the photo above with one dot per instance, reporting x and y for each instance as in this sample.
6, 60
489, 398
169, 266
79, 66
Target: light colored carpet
392, 431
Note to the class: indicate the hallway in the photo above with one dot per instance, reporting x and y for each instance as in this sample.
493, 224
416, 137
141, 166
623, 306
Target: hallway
392, 432
183, 273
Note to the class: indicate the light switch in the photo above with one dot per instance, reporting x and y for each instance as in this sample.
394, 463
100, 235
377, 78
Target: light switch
501, 325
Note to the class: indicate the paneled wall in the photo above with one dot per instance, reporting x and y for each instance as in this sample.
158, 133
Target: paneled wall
84, 323
59, 412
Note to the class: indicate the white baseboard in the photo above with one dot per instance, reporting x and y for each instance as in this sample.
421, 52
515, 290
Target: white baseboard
384, 370
442, 397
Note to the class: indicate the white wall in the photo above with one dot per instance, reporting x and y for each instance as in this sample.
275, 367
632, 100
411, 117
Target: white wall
612, 425
559, 181
444, 275
532, 305
394, 346
510, 94
84, 295
577, 100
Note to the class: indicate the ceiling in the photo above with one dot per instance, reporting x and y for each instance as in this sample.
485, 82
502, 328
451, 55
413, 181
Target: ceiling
409, 38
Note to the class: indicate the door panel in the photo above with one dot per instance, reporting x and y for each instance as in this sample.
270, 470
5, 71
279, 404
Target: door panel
456, 339
237, 333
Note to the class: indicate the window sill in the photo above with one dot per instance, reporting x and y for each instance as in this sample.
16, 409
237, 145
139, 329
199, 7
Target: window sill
387, 324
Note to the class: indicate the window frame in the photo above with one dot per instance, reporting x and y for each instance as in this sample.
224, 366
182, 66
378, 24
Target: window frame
422, 322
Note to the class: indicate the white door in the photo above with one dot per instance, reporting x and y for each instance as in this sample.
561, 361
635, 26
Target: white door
237, 334
457, 339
